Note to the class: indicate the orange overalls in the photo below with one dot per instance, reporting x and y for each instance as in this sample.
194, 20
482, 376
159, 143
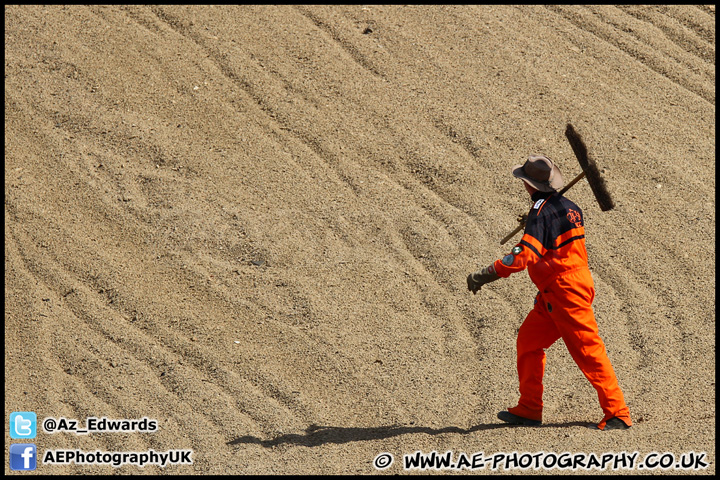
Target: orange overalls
553, 250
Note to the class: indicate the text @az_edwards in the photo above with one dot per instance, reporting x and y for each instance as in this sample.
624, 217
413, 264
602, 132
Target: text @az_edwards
100, 425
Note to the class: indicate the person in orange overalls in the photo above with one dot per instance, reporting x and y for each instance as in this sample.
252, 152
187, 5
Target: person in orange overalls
552, 249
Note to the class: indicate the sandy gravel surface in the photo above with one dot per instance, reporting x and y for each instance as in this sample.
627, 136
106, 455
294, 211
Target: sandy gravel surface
254, 224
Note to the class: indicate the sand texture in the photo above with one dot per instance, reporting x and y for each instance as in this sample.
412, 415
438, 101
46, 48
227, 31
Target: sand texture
254, 224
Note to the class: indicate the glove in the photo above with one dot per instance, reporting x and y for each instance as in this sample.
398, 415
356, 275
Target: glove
476, 280
522, 219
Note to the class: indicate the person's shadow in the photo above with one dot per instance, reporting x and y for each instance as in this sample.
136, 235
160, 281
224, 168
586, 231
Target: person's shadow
316, 435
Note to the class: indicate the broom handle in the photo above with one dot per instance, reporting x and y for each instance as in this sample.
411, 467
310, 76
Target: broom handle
521, 226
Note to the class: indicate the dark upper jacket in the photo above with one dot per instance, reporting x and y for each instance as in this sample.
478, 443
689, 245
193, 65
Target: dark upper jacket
553, 242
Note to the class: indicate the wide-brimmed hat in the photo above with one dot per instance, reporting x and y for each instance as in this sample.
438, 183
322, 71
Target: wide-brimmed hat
540, 173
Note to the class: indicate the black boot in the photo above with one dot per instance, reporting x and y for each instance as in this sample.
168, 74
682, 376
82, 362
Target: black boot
615, 424
513, 419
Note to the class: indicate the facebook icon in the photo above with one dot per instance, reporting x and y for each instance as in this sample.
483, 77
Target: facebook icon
23, 456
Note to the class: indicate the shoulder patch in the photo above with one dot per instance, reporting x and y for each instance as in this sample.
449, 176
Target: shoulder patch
538, 203
508, 260
574, 217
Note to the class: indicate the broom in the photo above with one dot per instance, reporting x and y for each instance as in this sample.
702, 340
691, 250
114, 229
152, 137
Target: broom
589, 170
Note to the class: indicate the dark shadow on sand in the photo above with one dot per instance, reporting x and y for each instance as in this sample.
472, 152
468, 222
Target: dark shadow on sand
316, 435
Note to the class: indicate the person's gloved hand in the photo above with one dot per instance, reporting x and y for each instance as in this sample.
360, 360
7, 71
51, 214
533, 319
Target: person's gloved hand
476, 280
522, 219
